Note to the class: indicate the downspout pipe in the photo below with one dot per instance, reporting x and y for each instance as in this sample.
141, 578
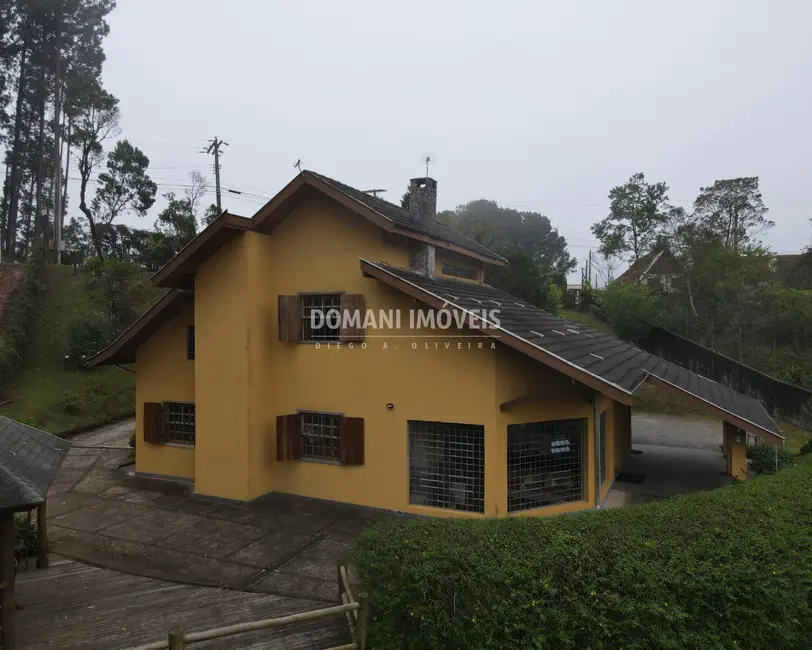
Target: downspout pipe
596, 446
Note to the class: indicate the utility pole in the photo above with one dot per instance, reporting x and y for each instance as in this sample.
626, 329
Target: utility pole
214, 147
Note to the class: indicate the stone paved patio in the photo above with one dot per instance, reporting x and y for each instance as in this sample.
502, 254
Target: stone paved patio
283, 545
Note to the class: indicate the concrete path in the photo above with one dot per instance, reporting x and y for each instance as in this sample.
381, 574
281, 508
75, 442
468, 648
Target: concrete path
675, 455
282, 545
112, 435
676, 431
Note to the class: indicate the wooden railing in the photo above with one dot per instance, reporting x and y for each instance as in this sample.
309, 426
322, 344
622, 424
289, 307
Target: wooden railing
355, 612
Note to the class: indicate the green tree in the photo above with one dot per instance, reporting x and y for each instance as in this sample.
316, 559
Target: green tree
176, 223
495, 227
637, 214
124, 188
209, 215
630, 309
733, 212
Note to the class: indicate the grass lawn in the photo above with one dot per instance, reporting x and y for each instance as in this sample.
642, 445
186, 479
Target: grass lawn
46, 392
589, 319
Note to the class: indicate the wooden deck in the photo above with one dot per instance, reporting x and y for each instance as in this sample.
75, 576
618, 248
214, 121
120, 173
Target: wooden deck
73, 605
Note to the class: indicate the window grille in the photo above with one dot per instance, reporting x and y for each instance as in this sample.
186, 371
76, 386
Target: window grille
321, 436
325, 304
460, 271
447, 465
603, 447
180, 423
190, 343
545, 463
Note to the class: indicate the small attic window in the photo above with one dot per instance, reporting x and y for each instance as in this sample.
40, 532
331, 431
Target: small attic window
465, 272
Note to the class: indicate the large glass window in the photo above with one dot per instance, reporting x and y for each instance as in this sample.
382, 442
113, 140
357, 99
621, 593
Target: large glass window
447, 465
545, 463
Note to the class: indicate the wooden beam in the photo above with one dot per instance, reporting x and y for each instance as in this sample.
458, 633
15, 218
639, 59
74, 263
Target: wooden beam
517, 401
42, 541
8, 636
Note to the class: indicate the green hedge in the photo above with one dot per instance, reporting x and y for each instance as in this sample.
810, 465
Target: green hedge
729, 568
19, 315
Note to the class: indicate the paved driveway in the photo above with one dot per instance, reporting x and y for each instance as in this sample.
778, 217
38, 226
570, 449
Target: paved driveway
281, 545
673, 455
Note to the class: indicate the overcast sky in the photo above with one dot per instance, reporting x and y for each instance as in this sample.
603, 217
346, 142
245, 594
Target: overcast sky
538, 105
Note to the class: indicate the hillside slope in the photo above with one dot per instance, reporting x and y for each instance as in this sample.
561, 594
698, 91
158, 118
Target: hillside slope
46, 391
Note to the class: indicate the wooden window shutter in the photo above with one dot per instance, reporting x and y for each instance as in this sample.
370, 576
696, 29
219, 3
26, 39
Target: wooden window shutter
351, 441
290, 318
288, 437
153, 422
350, 303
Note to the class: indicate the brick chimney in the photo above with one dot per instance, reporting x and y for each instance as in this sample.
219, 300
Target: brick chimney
423, 209
423, 200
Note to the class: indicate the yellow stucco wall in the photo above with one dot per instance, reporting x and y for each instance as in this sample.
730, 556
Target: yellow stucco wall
164, 374
556, 398
221, 374
317, 248
244, 377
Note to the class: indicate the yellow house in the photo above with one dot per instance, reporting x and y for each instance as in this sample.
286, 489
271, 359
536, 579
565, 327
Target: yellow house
340, 347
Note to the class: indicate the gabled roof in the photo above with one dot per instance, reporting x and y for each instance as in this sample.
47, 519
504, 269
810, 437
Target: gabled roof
388, 216
603, 362
29, 462
403, 219
657, 261
122, 350
180, 271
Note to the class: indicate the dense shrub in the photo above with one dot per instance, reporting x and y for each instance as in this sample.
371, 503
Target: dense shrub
20, 314
87, 335
728, 568
630, 309
806, 448
763, 459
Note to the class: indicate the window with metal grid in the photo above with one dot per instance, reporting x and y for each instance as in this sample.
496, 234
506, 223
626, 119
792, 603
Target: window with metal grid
325, 304
447, 465
603, 447
321, 436
180, 423
190, 343
545, 463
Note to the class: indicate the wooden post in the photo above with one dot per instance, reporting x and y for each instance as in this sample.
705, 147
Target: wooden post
338, 580
42, 544
361, 623
176, 640
8, 637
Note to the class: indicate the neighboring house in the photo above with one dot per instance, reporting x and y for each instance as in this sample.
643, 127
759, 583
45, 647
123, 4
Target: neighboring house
657, 269
242, 390
574, 294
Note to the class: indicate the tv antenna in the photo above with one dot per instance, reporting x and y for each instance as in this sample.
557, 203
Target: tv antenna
428, 159
374, 192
